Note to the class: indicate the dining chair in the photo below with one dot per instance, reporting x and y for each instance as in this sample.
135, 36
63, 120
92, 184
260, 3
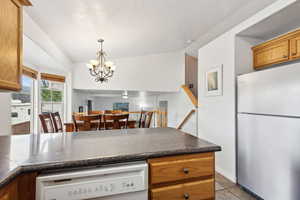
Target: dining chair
57, 123
115, 121
46, 122
87, 122
145, 119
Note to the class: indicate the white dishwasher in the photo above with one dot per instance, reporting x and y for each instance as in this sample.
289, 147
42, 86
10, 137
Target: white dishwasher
121, 182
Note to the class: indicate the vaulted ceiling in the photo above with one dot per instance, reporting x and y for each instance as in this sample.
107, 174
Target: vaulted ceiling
129, 27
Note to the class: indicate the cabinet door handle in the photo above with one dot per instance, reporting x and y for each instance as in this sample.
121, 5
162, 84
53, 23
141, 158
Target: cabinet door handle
284, 56
186, 196
186, 170
293, 54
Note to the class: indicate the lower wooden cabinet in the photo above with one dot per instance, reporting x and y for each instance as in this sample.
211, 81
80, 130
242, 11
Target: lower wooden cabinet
182, 177
9, 192
181, 167
21, 188
5, 197
198, 190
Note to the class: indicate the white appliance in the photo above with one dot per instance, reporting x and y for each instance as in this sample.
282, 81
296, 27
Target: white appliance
268, 138
123, 182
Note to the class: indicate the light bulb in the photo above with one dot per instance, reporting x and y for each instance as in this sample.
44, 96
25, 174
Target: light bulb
89, 66
113, 68
94, 62
109, 64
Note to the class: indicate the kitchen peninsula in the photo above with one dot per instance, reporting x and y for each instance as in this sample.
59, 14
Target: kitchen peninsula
180, 165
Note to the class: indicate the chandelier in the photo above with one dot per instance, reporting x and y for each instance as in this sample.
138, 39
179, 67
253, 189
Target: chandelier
100, 68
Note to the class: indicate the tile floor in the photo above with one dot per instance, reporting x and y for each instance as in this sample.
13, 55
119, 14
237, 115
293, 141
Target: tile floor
226, 190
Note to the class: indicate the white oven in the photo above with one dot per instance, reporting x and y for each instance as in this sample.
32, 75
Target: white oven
122, 182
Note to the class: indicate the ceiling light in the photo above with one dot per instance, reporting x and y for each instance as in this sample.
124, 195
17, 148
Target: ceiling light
125, 95
100, 68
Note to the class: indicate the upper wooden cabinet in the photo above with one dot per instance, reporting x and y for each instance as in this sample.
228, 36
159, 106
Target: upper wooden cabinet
295, 47
272, 54
282, 49
11, 35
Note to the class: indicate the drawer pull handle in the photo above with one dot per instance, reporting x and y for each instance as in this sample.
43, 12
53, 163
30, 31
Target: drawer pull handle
186, 196
293, 54
186, 170
284, 56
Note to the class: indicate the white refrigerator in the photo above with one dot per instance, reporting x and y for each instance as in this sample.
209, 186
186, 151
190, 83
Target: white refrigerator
268, 133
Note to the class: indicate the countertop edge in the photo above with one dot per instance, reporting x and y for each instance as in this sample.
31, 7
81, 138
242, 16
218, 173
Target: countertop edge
20, 169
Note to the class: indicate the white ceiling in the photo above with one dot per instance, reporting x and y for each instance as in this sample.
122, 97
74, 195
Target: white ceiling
282, 22
129, 27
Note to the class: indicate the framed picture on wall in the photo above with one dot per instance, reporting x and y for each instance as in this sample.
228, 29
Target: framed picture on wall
214, 81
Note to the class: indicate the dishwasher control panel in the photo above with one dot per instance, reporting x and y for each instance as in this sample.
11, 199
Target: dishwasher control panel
93, 184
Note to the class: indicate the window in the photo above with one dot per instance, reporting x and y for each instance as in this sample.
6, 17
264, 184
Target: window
21, 106
121, 106
52, 97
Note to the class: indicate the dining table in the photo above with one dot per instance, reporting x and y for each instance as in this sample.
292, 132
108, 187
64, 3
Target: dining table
70, 127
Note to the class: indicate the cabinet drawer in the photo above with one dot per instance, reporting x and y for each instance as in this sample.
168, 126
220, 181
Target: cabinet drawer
273, 54
198, 190
177, 168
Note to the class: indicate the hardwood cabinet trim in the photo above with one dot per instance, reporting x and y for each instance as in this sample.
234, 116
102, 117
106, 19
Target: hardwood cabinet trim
30, 72
53, 77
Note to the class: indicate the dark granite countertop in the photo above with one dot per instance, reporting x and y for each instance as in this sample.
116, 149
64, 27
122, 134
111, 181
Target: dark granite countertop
38, 152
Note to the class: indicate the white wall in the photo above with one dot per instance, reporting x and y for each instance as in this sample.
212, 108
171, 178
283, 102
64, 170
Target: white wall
216, 116
5, 120
179, 105
106, 103
161, 72
243, 54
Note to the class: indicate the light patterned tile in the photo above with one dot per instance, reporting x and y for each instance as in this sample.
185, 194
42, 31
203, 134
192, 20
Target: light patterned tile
225, 195
224, 182
237, 191
219, 186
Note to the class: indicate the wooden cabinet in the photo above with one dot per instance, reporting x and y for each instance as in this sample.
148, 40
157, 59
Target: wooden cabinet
21, 188
9, 192
180, 168
279, 50
272, 54
182, 177
295, 47
11, 35
196, 190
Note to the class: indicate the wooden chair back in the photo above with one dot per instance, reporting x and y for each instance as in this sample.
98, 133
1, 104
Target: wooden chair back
46, 122
145, 119
57, 123
87, 122
115, 121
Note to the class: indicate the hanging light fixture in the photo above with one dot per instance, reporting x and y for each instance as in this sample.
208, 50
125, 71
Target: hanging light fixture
100, 68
